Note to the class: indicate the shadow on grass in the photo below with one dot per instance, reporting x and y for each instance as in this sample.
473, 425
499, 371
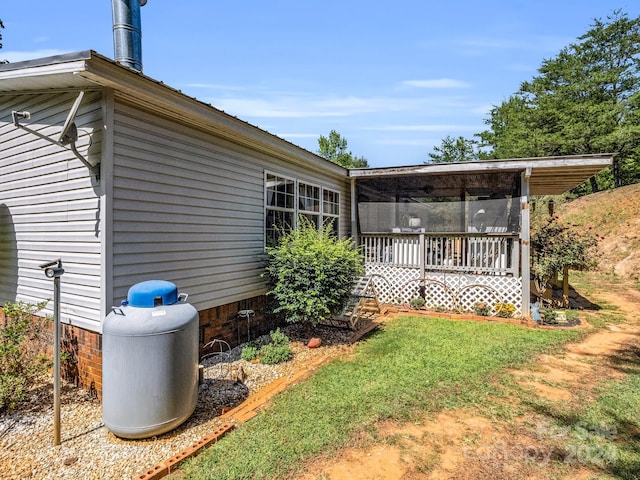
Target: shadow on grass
604, 434
610, 446
581, 302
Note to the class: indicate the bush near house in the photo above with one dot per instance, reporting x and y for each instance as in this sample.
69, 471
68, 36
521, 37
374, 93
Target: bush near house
276, 351
23, 347
312, 273
557, 247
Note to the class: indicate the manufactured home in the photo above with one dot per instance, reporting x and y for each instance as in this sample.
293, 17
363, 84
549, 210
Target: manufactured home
125, 179
152, 185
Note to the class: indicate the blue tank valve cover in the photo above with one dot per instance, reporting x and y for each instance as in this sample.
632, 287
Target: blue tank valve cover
152, 293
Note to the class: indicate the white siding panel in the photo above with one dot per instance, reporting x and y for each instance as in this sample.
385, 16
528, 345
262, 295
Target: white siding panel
49, 207
188, 207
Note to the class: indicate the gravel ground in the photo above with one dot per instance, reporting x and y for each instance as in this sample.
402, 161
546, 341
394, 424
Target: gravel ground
90, 451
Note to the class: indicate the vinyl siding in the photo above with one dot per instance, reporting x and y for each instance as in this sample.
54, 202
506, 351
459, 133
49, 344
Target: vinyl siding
188, 207
49, 207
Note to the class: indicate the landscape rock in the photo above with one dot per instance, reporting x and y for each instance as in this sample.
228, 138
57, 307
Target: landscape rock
90, 452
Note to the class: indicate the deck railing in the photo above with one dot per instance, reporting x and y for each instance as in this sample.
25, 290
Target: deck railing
475, 253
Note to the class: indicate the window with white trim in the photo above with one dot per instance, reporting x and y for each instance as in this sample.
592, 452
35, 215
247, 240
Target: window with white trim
331, 209
309, 203
287, 198
280, 210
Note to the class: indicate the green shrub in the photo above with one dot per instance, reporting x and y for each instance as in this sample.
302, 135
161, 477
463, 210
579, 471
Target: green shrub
271, 354
312, 273
23, 344
417, 303
549, 315
279, 338
249, 352
482, 308
277, 351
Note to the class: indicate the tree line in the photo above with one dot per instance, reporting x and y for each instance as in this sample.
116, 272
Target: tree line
584, 100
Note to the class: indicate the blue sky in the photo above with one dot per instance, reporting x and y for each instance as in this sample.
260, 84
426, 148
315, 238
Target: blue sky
394, 78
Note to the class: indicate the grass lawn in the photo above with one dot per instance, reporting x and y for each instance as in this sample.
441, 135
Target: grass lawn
416, 364
612, 437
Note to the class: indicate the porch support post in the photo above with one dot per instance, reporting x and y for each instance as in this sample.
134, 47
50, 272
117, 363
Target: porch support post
565, 287
515, 257
422, 260
354, 206
525, 243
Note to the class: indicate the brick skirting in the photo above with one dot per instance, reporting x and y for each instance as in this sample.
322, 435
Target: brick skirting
82, 358
82, 349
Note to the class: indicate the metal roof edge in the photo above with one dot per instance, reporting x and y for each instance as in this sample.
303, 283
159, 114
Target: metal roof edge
46, 61
559, 161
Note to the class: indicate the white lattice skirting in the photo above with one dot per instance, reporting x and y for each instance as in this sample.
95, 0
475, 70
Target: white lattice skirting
445, 291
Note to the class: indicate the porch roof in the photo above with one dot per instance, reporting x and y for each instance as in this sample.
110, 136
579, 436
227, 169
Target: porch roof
549, 175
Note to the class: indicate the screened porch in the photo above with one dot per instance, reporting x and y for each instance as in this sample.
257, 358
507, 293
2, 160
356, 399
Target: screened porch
457, 234
437, 235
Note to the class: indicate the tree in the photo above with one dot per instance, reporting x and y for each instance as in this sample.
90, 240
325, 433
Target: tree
312, 273
557, 247
455, 150
334, 149
1, 27
585, 100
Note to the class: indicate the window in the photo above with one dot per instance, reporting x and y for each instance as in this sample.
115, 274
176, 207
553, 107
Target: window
280, 203
309, 202
286, 199
331, 209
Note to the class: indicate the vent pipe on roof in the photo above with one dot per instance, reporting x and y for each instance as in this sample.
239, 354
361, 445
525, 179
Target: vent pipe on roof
127, 34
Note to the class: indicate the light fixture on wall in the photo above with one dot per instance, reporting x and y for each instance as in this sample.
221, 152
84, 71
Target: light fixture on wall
68, 135
18, 115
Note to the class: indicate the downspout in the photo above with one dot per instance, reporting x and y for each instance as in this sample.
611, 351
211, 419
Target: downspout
525, 243
127, 33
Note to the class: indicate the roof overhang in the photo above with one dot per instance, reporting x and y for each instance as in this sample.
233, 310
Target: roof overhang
548, 175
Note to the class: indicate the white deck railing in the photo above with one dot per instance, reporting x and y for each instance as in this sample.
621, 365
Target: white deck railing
475, 253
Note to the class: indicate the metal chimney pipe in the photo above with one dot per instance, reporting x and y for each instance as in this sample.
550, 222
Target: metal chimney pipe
127, 34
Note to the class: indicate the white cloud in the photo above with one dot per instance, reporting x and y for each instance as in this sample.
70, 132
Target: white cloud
437, 83
14, 56
305, 106
540, 43
408, 142
423, 128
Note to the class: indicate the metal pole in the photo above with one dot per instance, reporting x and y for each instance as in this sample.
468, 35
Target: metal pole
56, 361
54, 270
525, 239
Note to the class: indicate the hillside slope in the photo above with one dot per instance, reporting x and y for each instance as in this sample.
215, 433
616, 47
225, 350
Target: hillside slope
614, 215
